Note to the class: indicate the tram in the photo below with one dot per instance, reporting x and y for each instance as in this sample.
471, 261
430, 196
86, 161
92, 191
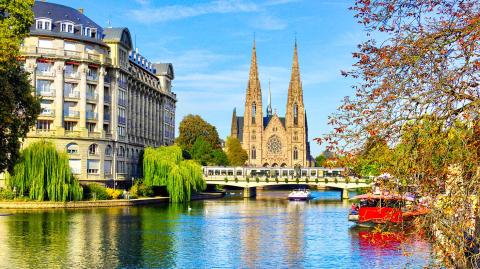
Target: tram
272, 172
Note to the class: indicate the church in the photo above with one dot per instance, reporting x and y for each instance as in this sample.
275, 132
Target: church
270, 140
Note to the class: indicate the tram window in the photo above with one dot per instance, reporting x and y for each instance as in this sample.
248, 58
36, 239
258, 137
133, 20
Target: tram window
284, 173
224, 172
217, 172
304, 173
210, 172
239, 172
291, 172
230, 172
313, 173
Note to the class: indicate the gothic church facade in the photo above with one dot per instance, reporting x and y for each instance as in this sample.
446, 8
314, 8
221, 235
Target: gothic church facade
270, 140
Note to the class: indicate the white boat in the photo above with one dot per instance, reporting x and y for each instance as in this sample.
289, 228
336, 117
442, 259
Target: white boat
300, 195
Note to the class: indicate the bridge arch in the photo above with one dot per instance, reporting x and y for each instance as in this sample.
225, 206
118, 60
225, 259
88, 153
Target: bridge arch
265, 165
283, 165
274, 165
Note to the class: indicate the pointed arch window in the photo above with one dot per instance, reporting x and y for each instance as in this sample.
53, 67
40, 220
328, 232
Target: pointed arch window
295, 114
254, 153
295, 153
254, 111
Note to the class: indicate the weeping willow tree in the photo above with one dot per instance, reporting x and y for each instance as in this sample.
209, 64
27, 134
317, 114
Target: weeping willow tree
43, 174
165, 166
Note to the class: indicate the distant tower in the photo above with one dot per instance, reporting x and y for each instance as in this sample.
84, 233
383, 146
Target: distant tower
234, 129
295, 116
269, 108
253, 116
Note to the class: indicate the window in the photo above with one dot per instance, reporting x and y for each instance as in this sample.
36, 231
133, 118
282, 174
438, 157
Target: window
43, 125
44, 67
108, 150
66, 27
87, 31
107, 167
93, 166
44, 86
72, 148
254, 136
295, 153
75, 166
69, 125
254, 111
91, 127
121, 131
254, 153
121, 167
45, 43
92, 73
121, 151
44, 24
93, 149
69, 46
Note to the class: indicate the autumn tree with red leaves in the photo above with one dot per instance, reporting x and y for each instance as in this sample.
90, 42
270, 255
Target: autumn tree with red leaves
418, 89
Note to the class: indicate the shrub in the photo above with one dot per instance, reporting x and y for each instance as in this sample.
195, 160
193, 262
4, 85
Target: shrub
248, 179
368, 181
141, 190
95, 191
266, 179
6, 194
306, 180
298, 180
316, 180
276, 180
326, 180
226, 179
357, 181
117, 194
286, 180
336, 180
236, 179
257, 179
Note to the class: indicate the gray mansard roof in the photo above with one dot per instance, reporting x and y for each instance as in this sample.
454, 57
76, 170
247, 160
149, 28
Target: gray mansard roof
165, 69
60, 13
118, 34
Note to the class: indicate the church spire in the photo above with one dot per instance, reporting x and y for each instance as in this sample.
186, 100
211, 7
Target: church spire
269, 108
295, 89
234, 128
253, 81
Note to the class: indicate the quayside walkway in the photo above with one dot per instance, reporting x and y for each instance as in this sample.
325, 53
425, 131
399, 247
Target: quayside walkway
251, 177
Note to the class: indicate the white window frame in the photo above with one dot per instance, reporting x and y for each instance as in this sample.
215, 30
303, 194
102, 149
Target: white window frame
43, 24
67, 27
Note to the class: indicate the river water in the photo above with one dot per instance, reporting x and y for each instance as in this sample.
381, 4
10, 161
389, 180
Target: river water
266, 232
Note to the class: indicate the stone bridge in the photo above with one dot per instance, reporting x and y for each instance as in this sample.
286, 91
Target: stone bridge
250, 178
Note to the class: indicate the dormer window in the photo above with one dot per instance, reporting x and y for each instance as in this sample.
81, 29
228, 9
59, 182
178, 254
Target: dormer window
66, 27
87, 31
44, 24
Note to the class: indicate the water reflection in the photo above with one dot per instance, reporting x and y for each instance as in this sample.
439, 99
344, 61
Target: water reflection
264, 232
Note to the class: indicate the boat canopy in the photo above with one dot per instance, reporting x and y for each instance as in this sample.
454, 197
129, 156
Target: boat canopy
370, 196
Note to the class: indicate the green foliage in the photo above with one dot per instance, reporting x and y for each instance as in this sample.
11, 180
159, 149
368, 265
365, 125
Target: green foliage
237, 156
192, 127
320, 160
219, 158
236, 179
286, 180
43, 173
226, 179
316, 180
357, 181
247, 179
267, 180
257, 179
203, 152
164, 166
6, 194
326, 180
95, 191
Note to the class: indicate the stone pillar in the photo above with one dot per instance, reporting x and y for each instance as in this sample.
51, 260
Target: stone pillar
345, 193
101, 97
114, 107
58, 83
82, 104
249, 192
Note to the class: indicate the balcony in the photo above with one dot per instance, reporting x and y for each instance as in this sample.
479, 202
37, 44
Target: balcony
73, 54
93, 57
92, 96
71, 94
45, 73
107, 117
47, 112
122, 120
122, 102
94, 135
91, 115
72, 75
71, 114
107, 99
46, 93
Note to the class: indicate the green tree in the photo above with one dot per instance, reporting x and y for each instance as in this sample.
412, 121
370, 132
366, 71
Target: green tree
320, 160
219, 157
18, 107
43, 173
192, 127
237, 156
201, 151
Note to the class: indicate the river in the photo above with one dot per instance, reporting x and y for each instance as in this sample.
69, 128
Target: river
266, 232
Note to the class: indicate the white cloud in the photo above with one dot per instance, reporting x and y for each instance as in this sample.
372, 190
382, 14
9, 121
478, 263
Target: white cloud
178, 12
268, 22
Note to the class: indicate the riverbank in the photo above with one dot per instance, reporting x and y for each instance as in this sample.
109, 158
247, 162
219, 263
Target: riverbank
102, 203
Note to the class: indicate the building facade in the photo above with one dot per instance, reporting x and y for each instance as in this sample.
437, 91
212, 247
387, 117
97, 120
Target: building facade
271, 140
101, 101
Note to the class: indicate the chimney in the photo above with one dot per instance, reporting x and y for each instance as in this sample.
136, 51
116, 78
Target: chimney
81, 10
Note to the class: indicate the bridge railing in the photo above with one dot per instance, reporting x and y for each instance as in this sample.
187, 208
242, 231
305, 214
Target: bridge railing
288, 180
272, 172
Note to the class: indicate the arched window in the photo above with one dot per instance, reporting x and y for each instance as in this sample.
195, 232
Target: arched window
254, 135
254, 153
93, 149
108, 150
72, 148
121, 151
295, 153
295, 114
254, 111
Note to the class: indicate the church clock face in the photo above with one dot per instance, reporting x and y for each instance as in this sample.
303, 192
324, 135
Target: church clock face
274, 145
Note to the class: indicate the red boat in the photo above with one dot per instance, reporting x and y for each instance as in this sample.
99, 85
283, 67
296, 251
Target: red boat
377, 209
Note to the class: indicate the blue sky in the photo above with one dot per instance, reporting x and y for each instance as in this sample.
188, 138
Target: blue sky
209, 43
